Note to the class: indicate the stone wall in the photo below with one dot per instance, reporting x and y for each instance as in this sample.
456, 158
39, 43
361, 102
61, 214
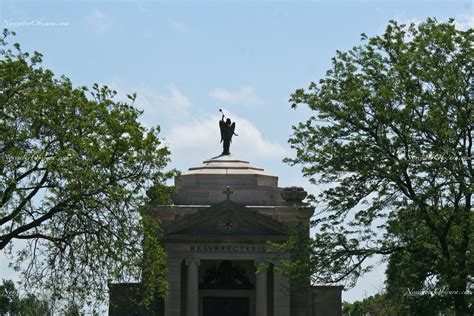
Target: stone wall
326, 300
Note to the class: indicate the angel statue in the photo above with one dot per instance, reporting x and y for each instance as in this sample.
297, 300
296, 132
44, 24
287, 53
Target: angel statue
227, 131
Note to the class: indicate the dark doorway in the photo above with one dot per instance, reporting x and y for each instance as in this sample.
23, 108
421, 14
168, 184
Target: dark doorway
226, 276
228, 306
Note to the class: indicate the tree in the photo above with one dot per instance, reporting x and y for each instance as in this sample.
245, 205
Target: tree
390, 141
11, 303
376, 305
387, 304
75, 165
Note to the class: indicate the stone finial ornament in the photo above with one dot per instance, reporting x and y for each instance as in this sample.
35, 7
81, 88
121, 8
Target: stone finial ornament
293, 194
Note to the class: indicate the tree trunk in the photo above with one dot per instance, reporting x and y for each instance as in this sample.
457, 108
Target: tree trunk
460, 305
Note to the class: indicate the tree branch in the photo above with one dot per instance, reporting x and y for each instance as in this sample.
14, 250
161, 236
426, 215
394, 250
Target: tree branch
28, 198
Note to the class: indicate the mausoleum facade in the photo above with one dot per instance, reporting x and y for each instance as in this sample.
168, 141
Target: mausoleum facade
217, 233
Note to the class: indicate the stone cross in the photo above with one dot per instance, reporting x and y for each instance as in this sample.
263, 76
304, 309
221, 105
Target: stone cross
228, 192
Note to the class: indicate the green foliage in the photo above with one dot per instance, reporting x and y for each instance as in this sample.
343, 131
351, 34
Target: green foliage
376, 305
72, 309
386, 304
11, 303
75, 165
301, 265
390, 142
154, 262
154, 255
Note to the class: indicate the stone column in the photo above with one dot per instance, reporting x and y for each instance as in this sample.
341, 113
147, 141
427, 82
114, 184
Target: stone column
173, 276
281, 292
261, 292
192, 296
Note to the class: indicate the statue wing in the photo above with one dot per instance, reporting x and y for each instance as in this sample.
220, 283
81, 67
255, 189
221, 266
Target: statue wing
222, 128
232, 129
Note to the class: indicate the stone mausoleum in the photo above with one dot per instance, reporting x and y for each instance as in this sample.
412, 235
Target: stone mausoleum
217, 232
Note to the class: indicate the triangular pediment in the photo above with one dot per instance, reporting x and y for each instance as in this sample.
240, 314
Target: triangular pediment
226, 218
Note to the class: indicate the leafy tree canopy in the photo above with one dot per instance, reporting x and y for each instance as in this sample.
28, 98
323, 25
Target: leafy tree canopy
376, 305
74, 166
12, 303
386, 304
390, 143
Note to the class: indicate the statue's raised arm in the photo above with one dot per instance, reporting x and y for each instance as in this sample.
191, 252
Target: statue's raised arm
227, 131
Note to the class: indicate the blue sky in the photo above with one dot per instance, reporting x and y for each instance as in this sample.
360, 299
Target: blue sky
187, 59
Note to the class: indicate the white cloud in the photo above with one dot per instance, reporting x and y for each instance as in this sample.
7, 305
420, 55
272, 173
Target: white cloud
245, 96
464, 22
222, 95
98, 20
177, 25
200, 138
409, 21
193, 137
174, 99
167, 105
171, 104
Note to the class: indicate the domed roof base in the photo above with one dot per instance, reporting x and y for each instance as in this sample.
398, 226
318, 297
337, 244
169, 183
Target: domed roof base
206, 183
